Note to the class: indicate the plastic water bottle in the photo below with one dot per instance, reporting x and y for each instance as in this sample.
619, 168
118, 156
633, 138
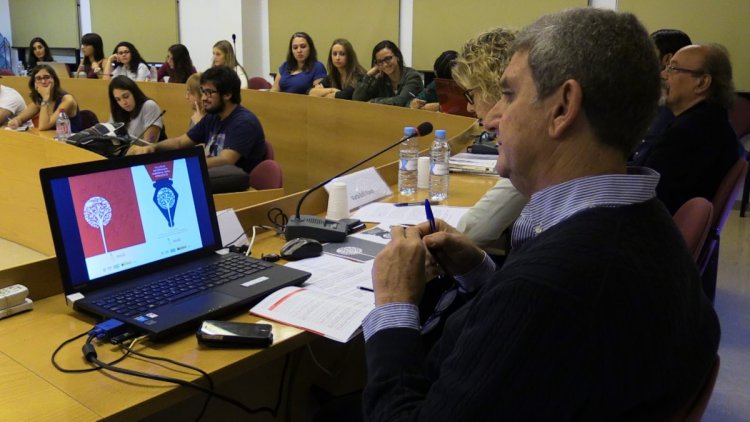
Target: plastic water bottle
439, 155
407, 169
20, 70
153, 74
62, 126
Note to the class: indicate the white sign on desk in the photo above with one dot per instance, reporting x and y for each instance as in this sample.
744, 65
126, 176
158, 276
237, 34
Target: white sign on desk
364, 187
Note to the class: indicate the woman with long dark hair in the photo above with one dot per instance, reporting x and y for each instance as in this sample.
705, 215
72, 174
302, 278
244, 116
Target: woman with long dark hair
389, 81
47, 99
344, 72
92, 51
301, 70
38, 52
129, 105
178, 67
128, 62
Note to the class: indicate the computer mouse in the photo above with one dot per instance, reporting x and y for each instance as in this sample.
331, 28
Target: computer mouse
301, 248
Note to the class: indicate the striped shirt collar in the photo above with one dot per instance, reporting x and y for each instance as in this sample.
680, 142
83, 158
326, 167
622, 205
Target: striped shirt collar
557, 203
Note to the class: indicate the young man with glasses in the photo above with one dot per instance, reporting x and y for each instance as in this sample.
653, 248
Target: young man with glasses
696, 150
231, 133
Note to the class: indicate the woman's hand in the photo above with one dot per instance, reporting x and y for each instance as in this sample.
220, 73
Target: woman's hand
44, 91
13, 123
374, 72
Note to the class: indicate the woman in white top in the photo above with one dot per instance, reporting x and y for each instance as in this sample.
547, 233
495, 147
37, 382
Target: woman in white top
129, 105
223, 55
128, 63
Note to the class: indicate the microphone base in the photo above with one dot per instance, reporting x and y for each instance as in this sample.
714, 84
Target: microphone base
317, 228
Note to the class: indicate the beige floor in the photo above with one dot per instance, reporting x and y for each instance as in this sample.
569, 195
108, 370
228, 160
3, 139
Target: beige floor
13, 254
731, 398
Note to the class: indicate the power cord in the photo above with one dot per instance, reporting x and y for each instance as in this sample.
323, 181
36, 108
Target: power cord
77, 371
279, 220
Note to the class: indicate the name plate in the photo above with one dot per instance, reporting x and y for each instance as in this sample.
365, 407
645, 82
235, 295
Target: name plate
363, 187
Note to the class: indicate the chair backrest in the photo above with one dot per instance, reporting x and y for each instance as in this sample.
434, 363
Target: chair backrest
694, 220
695, 410
725, 196
266, 175
88, 118
739, 116
6, 72
256, 82
269, 151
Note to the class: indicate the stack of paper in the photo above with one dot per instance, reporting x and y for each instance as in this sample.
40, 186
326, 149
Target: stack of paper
467, 162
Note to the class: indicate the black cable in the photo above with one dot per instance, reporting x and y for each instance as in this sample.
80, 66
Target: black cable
277, 406
274, 215
77, 371
244, 233
89, 354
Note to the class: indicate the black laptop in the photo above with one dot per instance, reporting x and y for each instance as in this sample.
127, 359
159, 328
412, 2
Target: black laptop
136, 240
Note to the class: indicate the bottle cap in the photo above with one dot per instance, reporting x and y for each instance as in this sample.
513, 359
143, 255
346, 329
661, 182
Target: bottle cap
440, 133
408, 131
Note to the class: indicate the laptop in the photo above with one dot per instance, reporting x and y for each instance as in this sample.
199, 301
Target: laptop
136, 240
60, 68
451, 97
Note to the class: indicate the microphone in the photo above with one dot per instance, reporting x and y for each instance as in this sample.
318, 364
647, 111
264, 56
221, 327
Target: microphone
322, 230
234, 43
138, 138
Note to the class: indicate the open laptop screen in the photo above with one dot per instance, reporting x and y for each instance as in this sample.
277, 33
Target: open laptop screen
117, 218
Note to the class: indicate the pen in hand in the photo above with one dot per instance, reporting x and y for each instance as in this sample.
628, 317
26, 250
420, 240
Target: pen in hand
433, 229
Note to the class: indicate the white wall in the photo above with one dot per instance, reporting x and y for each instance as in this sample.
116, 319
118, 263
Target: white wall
604, 4
202, 23
256, 45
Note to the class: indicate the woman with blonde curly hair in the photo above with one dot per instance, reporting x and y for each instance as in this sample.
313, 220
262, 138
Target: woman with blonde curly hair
478, 69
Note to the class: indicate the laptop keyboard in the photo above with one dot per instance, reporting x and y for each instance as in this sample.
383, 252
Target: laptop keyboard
136, 301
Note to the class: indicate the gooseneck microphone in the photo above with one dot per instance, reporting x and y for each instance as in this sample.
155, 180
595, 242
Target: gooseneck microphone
322, 230
234, 43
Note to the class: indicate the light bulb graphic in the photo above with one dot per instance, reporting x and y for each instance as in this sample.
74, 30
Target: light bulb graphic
98, 213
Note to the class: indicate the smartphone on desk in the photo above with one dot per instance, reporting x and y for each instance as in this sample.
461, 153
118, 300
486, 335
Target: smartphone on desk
234, 334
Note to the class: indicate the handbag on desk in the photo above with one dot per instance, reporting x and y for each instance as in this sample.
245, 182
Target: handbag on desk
106, 139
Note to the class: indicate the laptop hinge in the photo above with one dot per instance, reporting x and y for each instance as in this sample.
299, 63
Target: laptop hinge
71, 299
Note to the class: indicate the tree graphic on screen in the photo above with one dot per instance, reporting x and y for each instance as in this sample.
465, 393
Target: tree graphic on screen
98, 213
166, 199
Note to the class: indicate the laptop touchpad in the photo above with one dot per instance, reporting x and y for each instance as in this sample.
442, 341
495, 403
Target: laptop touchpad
205, 302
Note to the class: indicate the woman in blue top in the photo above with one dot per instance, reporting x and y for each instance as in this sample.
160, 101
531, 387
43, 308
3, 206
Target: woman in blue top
301, 70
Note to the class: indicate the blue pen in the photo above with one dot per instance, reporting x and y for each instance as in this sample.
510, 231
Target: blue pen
430, 216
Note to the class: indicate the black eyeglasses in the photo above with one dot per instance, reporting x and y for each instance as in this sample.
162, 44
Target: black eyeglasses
385, 60
208, 92
469, 95
674, 69
445, 302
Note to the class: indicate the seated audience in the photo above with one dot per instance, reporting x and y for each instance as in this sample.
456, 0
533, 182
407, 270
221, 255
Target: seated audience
344, 72
598, 312
428, 98
231, 133
92, 50
128, 62
389, 81
11, 104
47, 99
696, 150
301, 70
178, 67
129, 105
193, 96
223, 55
667, 42
478, 69
38, 52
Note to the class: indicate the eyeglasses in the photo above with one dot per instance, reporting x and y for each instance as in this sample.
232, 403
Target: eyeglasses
208, 92
385, 60
469, 95
42, 78
123, 52
445, 302
674, 69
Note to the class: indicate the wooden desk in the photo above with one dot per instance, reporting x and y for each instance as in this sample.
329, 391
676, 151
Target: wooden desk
28, 341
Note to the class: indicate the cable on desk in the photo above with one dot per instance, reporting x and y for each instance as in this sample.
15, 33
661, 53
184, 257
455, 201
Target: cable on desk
277, 217
76, 371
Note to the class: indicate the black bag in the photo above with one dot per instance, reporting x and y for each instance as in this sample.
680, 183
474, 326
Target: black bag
111, 141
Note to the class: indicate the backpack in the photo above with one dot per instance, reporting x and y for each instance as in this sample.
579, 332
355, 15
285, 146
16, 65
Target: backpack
109, 140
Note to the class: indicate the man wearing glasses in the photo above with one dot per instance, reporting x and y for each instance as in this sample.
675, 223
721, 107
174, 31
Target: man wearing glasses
696, 150
232, 134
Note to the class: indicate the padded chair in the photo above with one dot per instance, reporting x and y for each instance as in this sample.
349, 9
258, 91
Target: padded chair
6, 72
256, 82
739, 118
695, 410
269, 151
266, 175
88, 118
722, 201
694, 220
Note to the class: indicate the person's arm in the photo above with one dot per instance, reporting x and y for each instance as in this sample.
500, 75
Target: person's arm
142, 72
31, 110
417, 104
486, 221
162, 72
367, 87
411, 86
276, 83
48, 114
180, 142
226, 157
108, 66
242, 75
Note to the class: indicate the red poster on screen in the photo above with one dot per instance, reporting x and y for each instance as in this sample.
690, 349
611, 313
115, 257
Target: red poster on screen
106, 210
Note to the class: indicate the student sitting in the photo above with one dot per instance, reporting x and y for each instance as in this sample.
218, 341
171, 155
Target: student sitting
129, 105
193, 96
223, 55
301, 71
344, 72
389, 81
129, 63
178, 67
92, 50
47, 99
38, 52
428, 98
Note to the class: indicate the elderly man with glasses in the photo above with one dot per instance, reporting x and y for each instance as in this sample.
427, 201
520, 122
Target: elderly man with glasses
697, 149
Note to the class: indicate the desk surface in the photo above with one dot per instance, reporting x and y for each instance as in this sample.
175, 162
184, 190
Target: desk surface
29, 339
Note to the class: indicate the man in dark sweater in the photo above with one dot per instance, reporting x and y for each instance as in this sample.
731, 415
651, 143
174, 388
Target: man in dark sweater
597, 313
695, 150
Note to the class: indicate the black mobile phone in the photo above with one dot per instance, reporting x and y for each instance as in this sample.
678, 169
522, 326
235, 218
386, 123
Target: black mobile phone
234, 334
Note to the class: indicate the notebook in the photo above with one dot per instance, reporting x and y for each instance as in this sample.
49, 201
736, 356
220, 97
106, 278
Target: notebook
124, 227
60, 68
451, 97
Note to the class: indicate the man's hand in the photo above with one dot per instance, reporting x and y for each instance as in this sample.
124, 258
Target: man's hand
398, 273
137, 150
453, 248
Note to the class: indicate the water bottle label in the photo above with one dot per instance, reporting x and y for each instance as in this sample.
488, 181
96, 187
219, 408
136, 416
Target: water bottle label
439, 169
407, 164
